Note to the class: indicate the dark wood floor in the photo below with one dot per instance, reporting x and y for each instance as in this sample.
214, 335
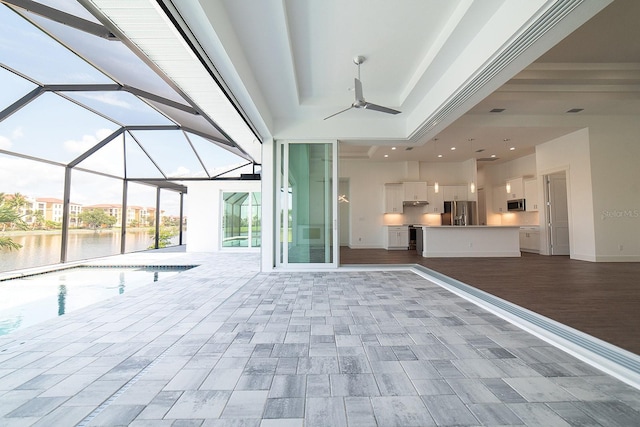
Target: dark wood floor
600, 299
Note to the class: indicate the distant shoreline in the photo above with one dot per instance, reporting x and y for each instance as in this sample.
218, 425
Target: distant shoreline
16, 233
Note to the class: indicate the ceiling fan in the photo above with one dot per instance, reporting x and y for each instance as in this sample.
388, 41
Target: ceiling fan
360, 102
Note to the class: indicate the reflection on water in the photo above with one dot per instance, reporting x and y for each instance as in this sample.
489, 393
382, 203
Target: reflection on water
62, 296
43, 248
32, 299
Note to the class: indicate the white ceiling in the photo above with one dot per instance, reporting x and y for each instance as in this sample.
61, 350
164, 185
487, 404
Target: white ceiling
444, 64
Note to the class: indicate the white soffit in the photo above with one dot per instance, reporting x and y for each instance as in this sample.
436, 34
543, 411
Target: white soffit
145, 25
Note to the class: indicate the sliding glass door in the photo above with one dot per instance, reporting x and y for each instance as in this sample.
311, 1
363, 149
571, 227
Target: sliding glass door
307, 204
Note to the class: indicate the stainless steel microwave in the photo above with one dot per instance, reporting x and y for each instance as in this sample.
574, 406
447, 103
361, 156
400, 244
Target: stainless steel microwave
516, 205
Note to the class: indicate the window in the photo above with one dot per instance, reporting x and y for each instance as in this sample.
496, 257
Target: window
241, 225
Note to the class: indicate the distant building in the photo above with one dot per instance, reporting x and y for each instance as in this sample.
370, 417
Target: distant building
51, 209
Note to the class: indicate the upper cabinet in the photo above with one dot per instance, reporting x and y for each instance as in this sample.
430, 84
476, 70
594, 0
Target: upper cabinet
436, 201
415, 191
515, 189
455, 192
393, 197
531, 194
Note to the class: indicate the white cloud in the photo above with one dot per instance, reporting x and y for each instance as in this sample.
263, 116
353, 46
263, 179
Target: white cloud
87, 141
17, 133
5, 143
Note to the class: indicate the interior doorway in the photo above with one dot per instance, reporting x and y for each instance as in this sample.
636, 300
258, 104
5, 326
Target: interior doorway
557, 211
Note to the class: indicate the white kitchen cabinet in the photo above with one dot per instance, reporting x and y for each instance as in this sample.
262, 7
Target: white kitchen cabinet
530, 239
516, 190
415, 191
393, 195
499, 204
436, 201
397, 237
531, 194
454, 192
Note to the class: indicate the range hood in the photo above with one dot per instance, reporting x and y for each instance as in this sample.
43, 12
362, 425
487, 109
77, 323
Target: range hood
415, 203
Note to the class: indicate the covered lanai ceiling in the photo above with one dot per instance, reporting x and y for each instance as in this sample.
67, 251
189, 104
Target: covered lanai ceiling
445, 65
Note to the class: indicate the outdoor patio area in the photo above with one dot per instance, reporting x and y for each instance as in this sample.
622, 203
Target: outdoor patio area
225, 345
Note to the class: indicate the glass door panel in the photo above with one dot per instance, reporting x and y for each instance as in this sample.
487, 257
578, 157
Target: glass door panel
307, 208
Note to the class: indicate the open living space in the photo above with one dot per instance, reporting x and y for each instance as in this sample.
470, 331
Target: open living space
303, 213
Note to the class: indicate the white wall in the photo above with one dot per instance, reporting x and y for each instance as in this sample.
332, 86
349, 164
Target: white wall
205, 210
615, 167
571, 153
366, 202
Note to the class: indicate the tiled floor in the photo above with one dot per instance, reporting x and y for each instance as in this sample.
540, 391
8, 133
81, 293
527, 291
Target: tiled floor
225, 345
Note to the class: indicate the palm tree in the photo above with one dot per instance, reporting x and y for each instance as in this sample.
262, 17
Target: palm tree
9, 216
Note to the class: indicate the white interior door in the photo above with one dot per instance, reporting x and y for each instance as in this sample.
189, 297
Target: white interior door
558, 214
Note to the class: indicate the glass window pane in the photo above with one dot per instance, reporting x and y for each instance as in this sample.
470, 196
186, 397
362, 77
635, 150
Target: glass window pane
216, 159
235, 220
12, 88
98, 231
70, 7
256, 220
141, 217
169, 218
310, 175
28, 50
38, 231
116, 59
50, 127
138, 164
109, 159
171, 152
121, 107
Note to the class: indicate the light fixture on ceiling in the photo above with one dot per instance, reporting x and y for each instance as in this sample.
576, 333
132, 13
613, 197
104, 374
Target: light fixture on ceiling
508, 187
393, 148
472, 187
436, 187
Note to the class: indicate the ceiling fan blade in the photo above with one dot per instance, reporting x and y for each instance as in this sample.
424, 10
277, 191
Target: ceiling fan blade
358, 88
374, 107
341, 111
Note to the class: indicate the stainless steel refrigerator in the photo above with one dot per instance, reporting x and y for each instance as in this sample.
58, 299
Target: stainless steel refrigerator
460, 213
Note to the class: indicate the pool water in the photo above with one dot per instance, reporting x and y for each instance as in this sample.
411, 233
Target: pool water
28, 300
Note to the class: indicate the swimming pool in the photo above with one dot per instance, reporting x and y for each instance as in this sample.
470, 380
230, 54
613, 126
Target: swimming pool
28, 300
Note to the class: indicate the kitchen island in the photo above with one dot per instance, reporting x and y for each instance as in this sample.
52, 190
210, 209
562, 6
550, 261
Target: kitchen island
470, 241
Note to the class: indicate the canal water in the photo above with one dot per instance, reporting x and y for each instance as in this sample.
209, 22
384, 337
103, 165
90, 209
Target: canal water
43, 248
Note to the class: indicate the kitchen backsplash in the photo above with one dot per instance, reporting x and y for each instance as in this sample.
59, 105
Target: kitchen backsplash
520, 218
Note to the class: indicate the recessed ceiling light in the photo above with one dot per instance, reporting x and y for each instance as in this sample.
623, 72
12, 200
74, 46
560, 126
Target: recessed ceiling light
480, 150
453, 148
493, 155
439, 155
575, 110
512, 148
386, 155
393, 148
506, 139
497, 110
